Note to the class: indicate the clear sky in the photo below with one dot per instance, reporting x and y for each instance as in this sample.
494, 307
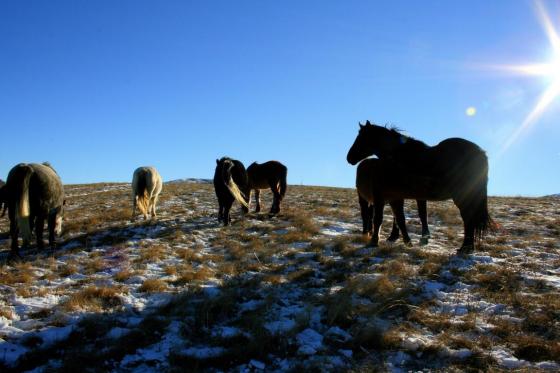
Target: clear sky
100, 87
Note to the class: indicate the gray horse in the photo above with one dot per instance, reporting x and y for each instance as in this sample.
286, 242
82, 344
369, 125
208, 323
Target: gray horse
34, 193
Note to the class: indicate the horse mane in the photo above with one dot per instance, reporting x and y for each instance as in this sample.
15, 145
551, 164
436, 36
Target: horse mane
409, 142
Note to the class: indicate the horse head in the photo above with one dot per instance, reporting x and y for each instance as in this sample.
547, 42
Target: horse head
373, 140
364, 145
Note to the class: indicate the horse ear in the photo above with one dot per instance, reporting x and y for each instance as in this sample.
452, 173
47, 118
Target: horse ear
361, 125
368, 123
217, 161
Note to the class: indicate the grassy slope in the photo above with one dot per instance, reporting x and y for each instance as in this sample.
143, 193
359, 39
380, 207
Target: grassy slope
183, 280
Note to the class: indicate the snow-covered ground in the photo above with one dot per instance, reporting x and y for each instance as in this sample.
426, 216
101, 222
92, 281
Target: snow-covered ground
298, 291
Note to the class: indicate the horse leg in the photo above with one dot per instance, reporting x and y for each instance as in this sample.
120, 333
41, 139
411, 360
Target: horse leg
395, 233
134, 200
51, 225
258, 200
39, 226
14, 231
220, 211
468, 240
227, 218
154, 202
398, 217
423, 214
276, 199
377, 220
366, 216
370, 218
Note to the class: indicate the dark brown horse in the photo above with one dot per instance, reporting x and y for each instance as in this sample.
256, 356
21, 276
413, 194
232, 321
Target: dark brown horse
454, 169
230, 184
34, 193
271, 174
367, 181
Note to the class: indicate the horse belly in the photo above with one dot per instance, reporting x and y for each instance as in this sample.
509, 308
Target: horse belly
417, 187
261, 184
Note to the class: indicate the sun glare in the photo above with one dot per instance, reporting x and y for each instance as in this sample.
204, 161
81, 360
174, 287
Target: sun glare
550, 71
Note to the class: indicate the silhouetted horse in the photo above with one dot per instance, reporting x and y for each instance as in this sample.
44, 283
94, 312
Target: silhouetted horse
146, 187
455, 168
34, 193
367, 180
271, 174
231, 184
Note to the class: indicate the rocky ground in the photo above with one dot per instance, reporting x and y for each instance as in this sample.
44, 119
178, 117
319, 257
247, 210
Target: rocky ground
297, 292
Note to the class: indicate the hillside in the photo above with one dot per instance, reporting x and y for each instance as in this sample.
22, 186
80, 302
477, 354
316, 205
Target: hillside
297, 292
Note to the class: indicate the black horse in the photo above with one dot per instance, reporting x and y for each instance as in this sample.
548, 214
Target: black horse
271, 174
231, 184
368, 179
34, 193
455, 168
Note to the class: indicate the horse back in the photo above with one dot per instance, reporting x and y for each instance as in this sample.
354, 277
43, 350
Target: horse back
45, 188
261, 176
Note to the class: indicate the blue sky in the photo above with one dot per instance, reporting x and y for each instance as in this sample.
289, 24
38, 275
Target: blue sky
100, 87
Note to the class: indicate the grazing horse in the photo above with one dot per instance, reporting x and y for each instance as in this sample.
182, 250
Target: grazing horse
454, 169
146, 187
231, 184
33, 193
367, 182
271, 174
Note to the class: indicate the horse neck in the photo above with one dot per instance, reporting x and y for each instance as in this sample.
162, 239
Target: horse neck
402, 147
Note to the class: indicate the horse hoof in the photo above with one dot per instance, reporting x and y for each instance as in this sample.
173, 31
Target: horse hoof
465, 250
424, 241
14, 256
408, 243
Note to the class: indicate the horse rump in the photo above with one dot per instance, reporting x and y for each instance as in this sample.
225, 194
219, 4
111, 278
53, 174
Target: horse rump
18, 184
227, 178
140, 190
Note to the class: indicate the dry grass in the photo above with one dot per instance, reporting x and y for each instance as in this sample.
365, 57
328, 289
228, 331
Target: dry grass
153, 285
123, 275
189, 275
152, 253
94, 298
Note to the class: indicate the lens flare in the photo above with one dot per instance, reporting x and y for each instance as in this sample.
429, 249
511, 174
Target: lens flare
550, 70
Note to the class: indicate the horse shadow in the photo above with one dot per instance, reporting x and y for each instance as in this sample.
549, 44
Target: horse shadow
105, 236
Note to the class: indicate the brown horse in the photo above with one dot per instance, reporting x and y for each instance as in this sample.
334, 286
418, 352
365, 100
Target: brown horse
366, 182
34, 193
230, 184
454, 169
271, 174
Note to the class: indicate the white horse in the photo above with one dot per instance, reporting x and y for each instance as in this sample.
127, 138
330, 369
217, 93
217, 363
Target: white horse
146, 187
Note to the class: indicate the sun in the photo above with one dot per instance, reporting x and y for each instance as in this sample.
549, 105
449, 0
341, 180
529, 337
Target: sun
549, 70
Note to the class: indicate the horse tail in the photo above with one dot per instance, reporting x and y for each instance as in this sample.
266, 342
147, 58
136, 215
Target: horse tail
283, 182
481, 219
231, 185
141, 194
21, 198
